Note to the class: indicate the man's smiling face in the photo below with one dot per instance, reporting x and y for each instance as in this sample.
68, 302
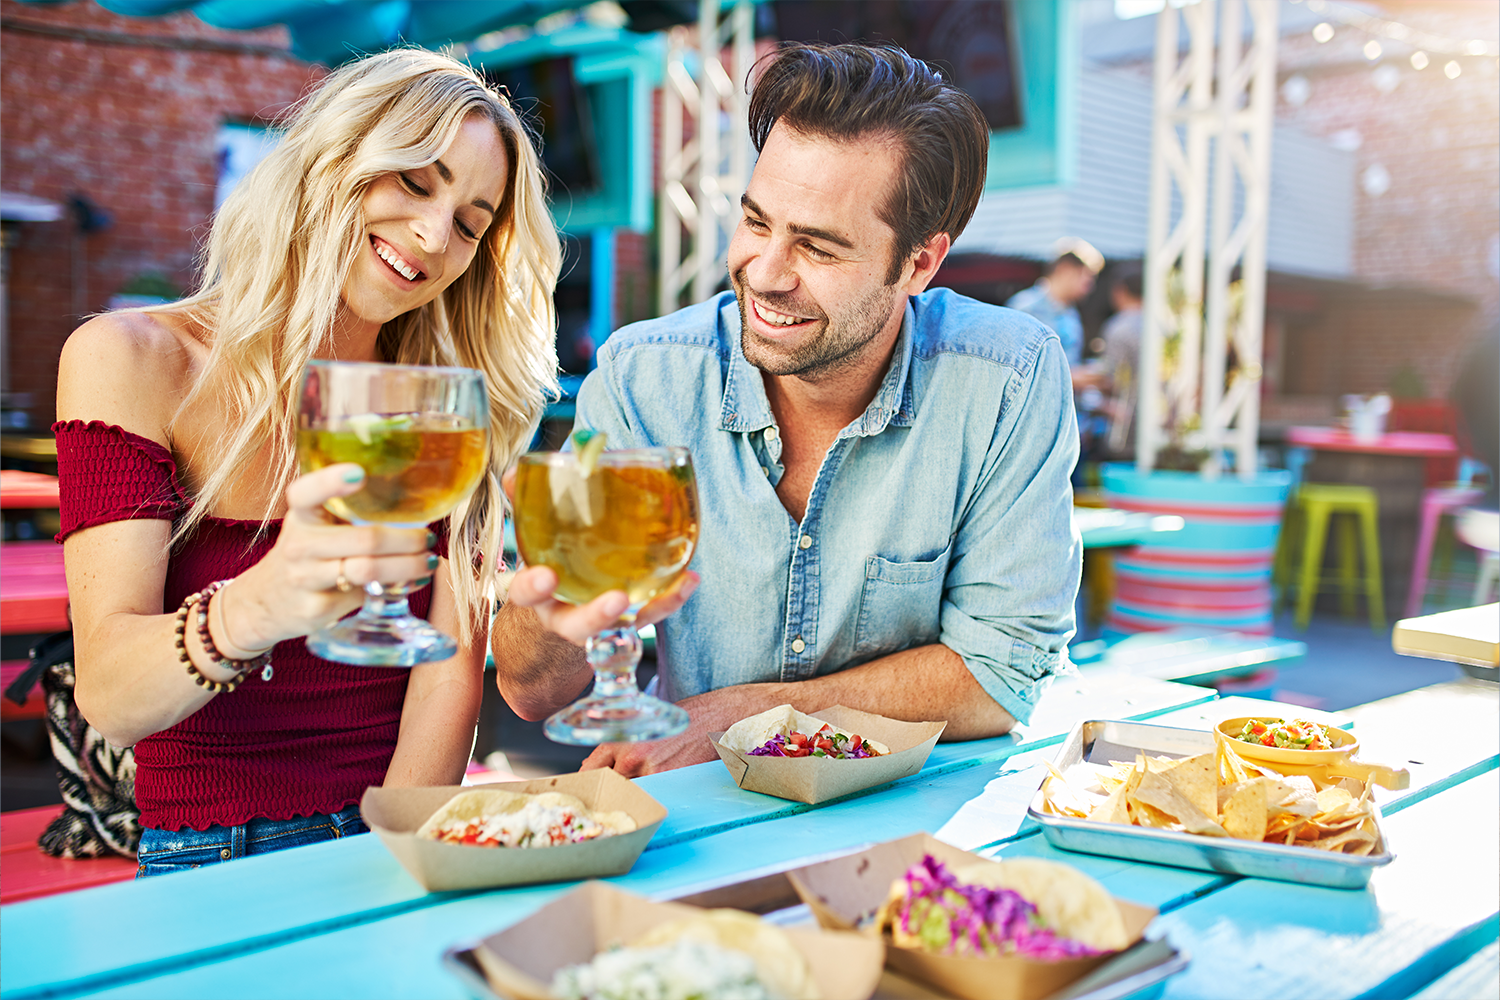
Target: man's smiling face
810, 258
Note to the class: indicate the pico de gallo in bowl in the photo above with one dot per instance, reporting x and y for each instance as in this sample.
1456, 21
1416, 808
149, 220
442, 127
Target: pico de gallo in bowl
826, 742
1288, 734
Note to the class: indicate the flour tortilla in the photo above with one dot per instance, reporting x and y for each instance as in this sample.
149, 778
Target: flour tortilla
779, 965
747, 734
484, 803
1071, 903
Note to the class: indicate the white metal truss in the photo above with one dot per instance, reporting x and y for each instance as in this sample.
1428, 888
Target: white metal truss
703, 177
1205, 270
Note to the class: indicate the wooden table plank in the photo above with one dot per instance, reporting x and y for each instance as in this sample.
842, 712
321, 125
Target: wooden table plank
1476, 979
338, 961
1464, 635
356, 880
705, 800
1422, 915
326, 964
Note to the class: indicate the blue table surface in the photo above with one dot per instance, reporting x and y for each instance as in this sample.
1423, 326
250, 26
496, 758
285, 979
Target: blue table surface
343, 919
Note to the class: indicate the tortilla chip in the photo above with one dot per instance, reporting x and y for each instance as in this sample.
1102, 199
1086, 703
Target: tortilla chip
1113, 809
1244, 814
1143, 814
1195, 779
1156, 790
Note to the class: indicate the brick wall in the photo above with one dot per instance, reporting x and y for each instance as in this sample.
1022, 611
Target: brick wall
122, 111
1437, 223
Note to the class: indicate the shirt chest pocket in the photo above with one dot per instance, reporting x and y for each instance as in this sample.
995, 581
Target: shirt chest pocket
900, 604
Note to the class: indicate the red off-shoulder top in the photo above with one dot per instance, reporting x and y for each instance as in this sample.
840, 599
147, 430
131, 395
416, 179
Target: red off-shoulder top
308, 741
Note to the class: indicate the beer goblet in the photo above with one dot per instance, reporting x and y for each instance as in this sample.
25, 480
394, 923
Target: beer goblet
628, 521
421, 433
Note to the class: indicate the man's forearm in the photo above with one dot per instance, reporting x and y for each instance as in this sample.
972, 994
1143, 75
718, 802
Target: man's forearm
537, 671
926, 683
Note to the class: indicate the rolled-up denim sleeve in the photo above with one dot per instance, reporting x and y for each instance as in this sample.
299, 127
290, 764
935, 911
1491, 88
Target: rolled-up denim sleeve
1011, 585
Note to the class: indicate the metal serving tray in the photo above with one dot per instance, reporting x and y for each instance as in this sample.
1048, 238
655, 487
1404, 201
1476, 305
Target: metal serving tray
1138, 973
1100, 742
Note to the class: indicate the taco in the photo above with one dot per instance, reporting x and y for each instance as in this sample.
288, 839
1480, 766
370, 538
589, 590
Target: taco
498, 818
716, 953
1027, 907
785, 732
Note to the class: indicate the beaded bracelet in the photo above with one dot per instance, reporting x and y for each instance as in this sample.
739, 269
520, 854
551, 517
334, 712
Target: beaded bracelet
242, 667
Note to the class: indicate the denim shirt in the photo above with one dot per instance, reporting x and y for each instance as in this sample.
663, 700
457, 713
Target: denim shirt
942, 514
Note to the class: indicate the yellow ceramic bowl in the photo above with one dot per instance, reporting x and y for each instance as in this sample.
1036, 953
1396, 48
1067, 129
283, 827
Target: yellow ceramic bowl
1338, 761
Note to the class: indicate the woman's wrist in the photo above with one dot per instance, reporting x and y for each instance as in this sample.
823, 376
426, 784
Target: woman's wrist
219, 630
196, 649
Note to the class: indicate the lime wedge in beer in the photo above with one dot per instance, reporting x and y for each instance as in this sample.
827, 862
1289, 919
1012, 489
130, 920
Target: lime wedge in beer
588, 446
370, 426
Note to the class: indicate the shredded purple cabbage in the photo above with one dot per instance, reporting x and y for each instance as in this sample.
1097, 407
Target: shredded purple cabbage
774, 747
991, 920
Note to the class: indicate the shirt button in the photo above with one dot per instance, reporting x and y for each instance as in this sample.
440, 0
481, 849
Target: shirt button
805, 542
770, 433
225, 854
798, 645
766, 471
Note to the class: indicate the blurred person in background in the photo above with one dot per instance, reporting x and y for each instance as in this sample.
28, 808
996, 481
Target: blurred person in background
1476, 395
1119, 354
882, 468
401, 219
1064, 283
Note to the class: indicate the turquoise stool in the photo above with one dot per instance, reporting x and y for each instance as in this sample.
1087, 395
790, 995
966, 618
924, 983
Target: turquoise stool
1313, 506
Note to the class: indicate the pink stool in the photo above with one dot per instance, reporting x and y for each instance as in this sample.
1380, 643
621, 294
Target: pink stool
1436, 502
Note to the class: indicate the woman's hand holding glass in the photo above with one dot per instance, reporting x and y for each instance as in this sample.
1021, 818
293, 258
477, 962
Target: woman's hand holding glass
295, 589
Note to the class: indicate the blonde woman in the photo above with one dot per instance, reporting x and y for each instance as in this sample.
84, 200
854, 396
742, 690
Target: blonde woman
402, 218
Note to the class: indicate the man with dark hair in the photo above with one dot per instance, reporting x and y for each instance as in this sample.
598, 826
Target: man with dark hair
1066, 281
886, 520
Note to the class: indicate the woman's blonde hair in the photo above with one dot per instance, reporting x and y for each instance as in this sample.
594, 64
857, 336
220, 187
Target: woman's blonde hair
281, 248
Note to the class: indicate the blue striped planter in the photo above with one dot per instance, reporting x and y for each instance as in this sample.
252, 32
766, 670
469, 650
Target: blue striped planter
1214, 573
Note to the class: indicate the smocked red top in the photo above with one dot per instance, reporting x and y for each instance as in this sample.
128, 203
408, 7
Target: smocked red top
308, 741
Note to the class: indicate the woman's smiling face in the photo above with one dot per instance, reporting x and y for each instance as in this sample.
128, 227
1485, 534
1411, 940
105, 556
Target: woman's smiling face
423, 226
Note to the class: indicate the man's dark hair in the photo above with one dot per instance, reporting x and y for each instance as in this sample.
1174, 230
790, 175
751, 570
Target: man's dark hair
853, 92
1128, 277
1067, 259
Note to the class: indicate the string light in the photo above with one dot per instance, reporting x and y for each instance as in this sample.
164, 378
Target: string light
1379, 27
1452, 69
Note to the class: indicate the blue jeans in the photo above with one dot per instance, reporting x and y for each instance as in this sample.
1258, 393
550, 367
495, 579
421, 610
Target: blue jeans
164, 851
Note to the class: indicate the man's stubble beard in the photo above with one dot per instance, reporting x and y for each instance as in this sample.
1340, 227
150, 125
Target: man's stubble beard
835, 347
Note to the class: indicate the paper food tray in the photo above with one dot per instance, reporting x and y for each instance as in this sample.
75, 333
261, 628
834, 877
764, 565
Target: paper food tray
818, 779
395, 814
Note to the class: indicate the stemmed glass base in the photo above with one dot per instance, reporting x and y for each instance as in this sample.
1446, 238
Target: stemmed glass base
617, 711
384, 634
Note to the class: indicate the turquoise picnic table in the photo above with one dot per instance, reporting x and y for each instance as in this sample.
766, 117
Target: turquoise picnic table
343, 919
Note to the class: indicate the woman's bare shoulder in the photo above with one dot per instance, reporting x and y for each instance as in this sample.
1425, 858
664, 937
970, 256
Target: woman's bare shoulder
128, 368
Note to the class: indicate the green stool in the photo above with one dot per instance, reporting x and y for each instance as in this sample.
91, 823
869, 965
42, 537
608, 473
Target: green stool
1312, 506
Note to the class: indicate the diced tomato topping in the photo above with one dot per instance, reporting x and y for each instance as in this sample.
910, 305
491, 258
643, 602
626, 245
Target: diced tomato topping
856, 742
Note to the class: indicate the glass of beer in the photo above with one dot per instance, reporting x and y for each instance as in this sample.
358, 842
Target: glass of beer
421, 434
628, 521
